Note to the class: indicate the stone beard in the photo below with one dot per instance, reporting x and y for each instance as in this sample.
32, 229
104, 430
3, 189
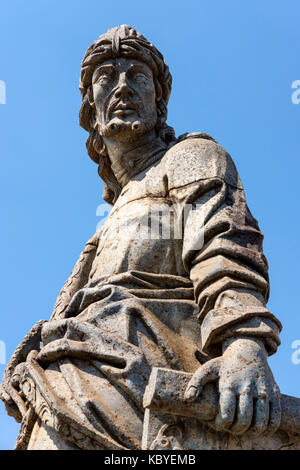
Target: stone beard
135, 303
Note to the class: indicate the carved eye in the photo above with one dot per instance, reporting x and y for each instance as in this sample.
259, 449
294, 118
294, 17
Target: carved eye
104, 78
141, 78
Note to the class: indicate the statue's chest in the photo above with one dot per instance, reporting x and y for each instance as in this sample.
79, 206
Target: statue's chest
139, 232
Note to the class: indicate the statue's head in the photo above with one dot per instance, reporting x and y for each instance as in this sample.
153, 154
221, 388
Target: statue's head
125, 85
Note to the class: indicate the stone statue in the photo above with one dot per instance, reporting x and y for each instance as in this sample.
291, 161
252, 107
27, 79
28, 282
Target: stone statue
175, 280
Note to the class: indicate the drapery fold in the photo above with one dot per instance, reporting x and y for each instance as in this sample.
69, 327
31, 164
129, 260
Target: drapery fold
133, 303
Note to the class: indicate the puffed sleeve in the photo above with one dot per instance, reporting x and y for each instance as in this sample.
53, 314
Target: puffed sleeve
221, 246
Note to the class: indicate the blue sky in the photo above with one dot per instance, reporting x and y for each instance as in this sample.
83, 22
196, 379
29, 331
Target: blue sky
233, 65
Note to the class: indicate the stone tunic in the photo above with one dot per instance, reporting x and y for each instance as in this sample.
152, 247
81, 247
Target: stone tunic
176, 268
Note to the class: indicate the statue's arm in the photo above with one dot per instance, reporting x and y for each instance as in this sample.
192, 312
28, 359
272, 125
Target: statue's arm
222, 247
222, 254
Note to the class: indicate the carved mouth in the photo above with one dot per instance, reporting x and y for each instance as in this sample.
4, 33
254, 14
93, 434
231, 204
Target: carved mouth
123, 111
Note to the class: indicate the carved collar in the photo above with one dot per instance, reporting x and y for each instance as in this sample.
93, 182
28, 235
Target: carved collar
133, 162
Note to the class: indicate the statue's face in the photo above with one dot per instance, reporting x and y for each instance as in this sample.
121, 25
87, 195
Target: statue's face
124, 97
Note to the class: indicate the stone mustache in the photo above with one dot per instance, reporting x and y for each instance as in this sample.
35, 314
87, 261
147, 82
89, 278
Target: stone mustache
139, 304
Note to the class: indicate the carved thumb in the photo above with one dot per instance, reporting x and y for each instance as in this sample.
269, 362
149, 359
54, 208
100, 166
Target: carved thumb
209, 372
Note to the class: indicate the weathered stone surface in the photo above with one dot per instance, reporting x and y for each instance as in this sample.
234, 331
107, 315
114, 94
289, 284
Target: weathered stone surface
170, 432
175, 278
173, 423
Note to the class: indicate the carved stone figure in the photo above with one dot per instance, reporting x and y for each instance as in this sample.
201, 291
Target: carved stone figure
175, 279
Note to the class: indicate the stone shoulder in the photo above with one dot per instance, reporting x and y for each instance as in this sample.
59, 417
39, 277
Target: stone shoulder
196, 158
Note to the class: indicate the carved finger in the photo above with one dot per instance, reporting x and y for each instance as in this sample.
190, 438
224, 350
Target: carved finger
209, 372
4, 396
244, 414
275, 416
227, 407
75, 303
261, 418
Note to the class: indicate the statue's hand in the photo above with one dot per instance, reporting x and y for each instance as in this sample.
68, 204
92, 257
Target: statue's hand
249, 398
11, 391
12, 396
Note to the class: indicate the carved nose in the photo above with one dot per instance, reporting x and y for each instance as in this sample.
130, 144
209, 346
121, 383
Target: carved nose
123, 89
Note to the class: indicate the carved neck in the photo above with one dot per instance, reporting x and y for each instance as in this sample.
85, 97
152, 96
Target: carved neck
117, 148
130, 158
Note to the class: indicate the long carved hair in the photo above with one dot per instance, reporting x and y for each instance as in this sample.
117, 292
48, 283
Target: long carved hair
122, 41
